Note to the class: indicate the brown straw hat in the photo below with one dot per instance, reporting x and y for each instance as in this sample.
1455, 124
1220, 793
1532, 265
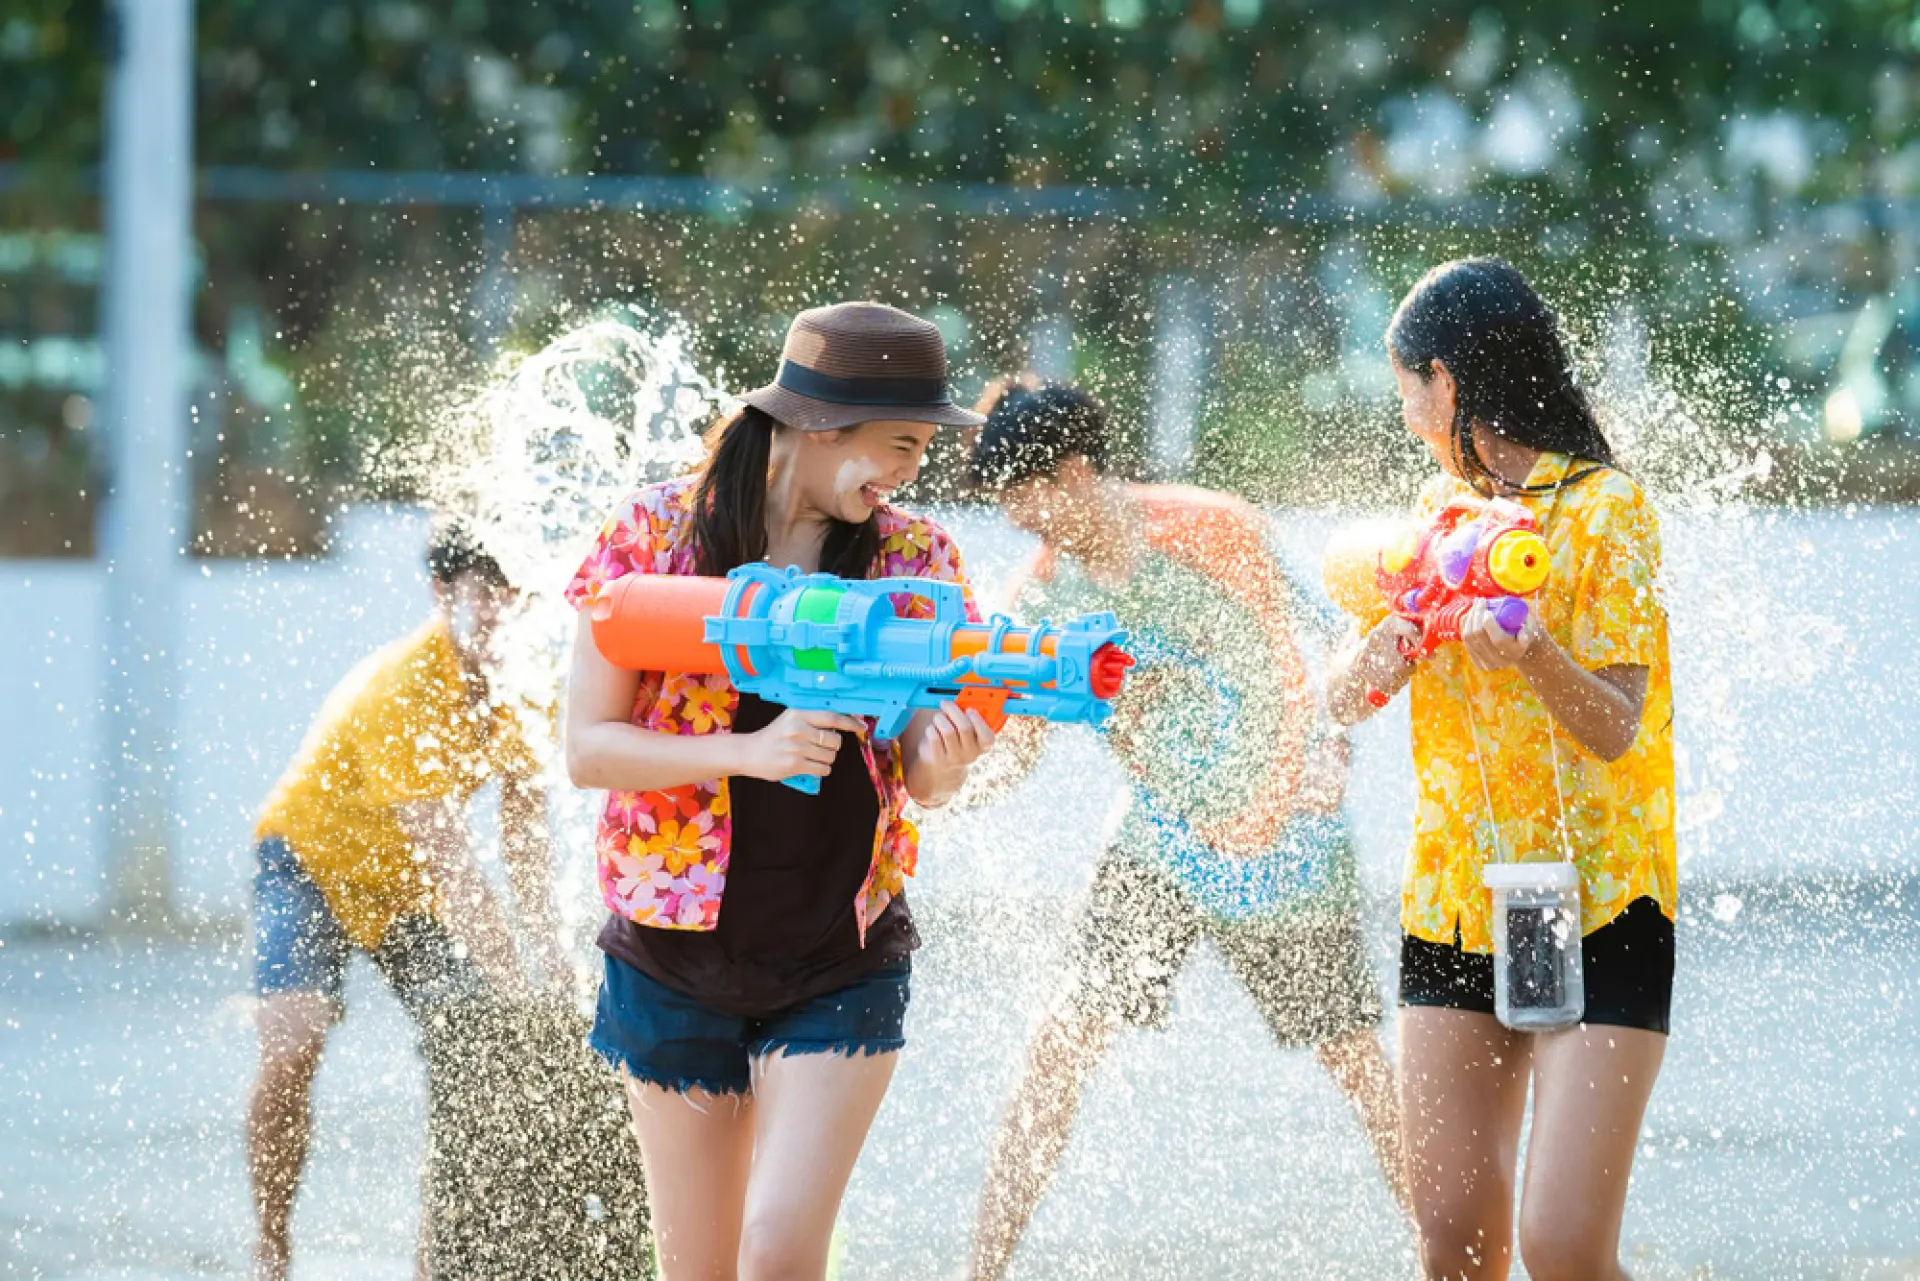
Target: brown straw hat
855, 362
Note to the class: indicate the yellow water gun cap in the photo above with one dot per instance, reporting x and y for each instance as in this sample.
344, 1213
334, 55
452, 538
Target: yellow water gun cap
1400, 550
1518, 562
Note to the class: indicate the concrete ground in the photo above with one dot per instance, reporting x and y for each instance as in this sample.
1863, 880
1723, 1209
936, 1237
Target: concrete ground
1784, 1139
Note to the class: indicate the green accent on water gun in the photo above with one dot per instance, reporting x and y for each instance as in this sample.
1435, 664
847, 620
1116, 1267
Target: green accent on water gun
817, 605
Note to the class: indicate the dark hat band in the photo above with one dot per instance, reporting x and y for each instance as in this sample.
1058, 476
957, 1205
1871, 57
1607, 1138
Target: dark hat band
861, 391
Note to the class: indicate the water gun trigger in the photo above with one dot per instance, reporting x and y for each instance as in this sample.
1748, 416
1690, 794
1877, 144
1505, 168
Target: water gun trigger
988, 700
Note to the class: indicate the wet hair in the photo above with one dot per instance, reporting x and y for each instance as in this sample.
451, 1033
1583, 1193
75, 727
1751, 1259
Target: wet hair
454, 553
1512, 372
1031, 430
730, 505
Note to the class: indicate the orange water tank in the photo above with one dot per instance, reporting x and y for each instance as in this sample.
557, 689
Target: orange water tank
655, 623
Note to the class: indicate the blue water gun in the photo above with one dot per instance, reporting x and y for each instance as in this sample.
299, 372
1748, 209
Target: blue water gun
823, 643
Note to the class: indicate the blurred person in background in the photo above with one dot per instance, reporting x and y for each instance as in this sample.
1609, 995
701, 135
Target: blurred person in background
363, 845
1233, 829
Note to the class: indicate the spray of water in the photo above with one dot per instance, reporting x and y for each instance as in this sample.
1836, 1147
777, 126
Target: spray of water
542, 457
572, 429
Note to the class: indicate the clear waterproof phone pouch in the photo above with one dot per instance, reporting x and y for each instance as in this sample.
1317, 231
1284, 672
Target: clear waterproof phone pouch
1539, 983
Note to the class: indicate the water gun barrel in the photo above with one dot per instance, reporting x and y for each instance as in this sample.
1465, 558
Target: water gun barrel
1431, 575
1355, 555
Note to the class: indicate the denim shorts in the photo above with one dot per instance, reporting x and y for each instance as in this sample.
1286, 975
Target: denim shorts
298, 946
666, 1039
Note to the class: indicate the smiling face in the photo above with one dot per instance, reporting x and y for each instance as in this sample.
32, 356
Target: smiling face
1057, 509
849, 474
1427, 406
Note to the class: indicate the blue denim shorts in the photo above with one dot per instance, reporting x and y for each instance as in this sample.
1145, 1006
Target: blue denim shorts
677, 1043
298, 946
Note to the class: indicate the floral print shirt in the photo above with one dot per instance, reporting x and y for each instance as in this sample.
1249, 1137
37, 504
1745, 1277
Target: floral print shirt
1602, 605
662, 856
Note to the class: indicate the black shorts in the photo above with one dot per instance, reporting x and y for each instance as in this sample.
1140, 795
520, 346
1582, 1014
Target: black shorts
1628, 963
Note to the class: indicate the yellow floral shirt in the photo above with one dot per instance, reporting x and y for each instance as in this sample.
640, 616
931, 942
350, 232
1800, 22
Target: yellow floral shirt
1602, 605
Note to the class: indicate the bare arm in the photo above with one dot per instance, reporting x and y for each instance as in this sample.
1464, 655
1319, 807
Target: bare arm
1600, 709
605, 750
438, 832
1017, 749
939, 748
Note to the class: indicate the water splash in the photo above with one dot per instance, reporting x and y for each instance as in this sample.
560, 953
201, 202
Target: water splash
538, 461
571, 430
548, 451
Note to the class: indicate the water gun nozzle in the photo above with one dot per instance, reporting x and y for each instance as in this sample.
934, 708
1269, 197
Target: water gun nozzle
1108, 671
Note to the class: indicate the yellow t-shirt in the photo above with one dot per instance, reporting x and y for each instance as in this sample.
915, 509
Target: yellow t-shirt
402, 727
1602, 605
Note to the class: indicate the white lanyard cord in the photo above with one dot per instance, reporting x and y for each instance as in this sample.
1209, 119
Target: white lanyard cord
1486, 791
1553, 745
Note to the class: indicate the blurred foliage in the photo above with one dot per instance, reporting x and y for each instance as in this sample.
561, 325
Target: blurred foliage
1245, 95
1643, 149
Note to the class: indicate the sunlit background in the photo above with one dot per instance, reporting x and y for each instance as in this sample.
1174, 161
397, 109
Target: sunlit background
271, 277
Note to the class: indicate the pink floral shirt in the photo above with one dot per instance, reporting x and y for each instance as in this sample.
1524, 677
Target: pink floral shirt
663, 855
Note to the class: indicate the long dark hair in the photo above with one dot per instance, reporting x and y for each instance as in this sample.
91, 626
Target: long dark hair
730, 507
1483, 321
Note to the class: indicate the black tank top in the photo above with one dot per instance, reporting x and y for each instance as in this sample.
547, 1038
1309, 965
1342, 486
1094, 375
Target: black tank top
786, 931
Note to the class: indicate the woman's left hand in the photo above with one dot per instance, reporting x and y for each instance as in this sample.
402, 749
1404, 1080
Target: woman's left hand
955, 739
952, 741
1492, 647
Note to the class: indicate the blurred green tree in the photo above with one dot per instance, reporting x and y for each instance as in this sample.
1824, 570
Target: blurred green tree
1623, 135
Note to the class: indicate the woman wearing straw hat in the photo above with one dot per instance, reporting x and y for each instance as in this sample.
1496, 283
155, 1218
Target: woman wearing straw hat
757, 955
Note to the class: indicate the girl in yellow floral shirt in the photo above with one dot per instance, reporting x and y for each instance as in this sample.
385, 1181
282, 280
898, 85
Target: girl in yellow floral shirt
1487, 385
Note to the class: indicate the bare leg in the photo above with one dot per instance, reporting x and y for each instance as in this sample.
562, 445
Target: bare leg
1591, 1085
293, 1029
1463, 1092
1033, 1134
812, 1114
696, 1149
423, 1245
1358, 1065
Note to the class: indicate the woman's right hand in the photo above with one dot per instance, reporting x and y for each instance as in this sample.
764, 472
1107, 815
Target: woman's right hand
797, 742
1373, 662
1384, 654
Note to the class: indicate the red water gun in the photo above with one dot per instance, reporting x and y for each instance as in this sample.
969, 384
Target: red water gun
1471, 550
